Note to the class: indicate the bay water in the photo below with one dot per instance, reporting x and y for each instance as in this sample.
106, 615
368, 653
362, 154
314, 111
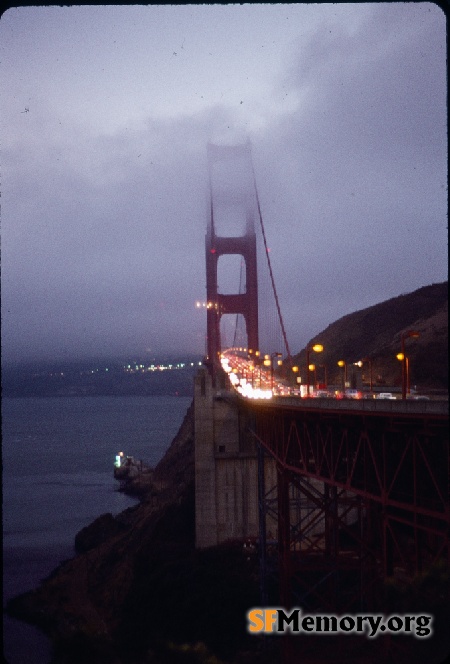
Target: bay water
58, 460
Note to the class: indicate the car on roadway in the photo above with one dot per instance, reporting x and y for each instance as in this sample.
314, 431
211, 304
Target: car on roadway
352, 394
386, 395
348, 394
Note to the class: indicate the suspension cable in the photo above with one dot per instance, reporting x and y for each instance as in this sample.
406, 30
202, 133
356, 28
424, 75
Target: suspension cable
271, 272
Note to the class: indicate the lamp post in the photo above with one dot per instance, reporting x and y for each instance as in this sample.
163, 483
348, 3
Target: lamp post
405, 374
369, 361
295, 372
267, 362
258, 363
253, 356
312, 367
404, 360
279, 362
317, 348
251, 367
251, 364
325, 376
343, 363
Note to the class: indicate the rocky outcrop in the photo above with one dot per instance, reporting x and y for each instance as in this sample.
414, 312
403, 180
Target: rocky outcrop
170, 477
102, 529
134, 477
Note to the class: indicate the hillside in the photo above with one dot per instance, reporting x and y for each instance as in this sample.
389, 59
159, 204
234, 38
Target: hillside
375, 333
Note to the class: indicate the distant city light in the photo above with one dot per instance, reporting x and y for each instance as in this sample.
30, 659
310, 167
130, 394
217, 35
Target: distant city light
170, 366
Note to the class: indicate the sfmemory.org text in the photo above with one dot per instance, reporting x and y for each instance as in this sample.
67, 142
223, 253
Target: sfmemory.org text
279, 621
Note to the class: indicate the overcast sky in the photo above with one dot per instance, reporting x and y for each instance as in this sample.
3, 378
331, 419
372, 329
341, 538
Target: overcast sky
106, 112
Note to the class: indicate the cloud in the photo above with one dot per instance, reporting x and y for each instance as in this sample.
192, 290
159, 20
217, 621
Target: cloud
104, 205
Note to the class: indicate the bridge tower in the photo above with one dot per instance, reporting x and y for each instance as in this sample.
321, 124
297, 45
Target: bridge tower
232, 186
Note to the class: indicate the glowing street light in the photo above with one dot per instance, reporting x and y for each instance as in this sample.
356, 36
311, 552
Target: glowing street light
404, 360
317, 348
405, 372
343, 363
312, 368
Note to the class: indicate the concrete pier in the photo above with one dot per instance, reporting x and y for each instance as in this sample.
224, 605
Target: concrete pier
226, 467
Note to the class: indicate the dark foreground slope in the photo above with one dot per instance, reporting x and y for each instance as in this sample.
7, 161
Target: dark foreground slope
376, 332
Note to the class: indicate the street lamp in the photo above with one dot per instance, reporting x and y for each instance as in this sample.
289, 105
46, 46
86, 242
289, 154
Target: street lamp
312, 367
279, 362
268, 363
369, 360
317, 348
258, 364
325, 376
295, 372
404, 360
405, 371
343, 363
253, 356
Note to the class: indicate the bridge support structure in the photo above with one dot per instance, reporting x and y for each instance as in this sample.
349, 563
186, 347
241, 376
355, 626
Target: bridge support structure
242, 198
362, 498
226, 466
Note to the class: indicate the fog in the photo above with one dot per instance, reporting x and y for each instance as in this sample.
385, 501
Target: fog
106, 116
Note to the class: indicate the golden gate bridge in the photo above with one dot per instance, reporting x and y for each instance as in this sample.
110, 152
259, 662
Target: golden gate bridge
361, 489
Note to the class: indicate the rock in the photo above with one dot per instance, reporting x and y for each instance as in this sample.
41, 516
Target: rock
97, 532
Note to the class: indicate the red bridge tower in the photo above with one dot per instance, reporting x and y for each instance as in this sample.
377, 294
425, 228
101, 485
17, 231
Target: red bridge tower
232, 185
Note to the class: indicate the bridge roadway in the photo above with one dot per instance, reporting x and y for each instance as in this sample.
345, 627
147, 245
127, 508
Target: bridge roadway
258, 384
373, 406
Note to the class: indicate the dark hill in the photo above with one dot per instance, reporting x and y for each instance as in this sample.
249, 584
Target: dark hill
375, 333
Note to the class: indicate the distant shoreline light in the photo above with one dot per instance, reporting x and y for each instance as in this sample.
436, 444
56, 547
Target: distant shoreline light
143, 368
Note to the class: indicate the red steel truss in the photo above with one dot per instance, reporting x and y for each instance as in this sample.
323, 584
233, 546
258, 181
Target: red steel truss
362, 496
